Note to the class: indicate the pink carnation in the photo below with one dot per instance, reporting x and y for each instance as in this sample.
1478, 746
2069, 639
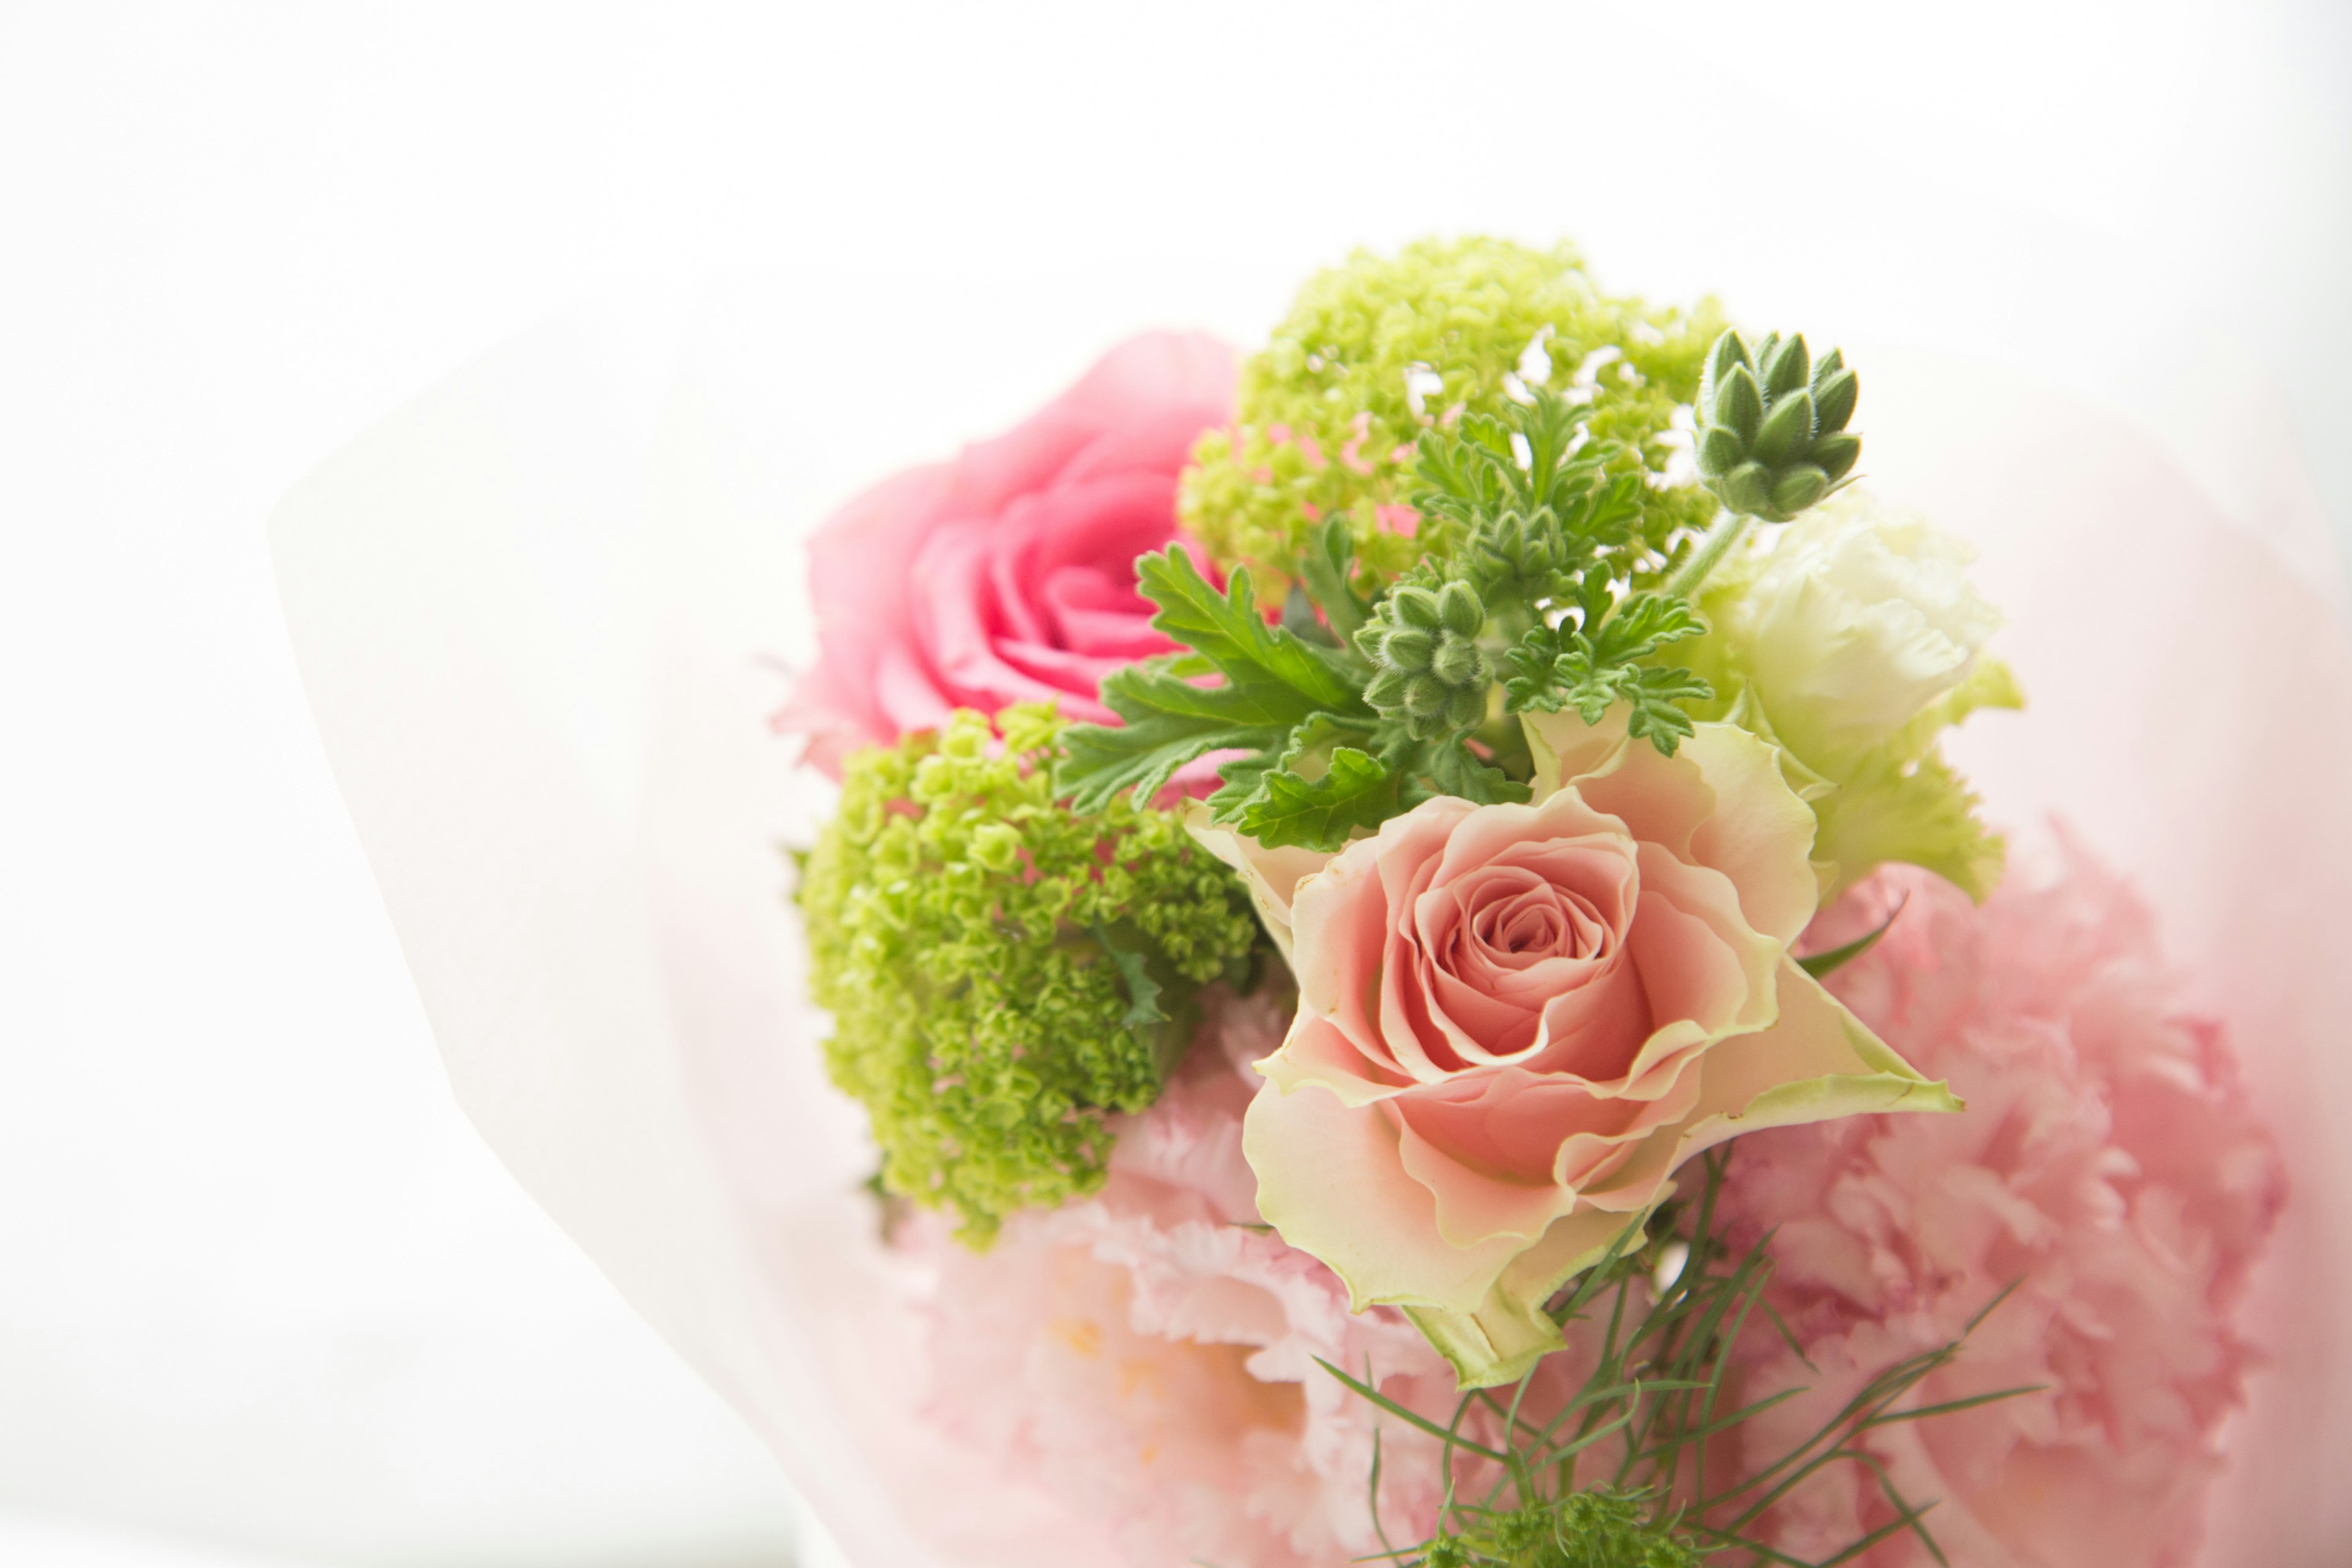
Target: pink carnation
2108, 1160
1150, 1354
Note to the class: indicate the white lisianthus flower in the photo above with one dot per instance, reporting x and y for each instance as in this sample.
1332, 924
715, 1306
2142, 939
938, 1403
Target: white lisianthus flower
1858, 621
1852, 643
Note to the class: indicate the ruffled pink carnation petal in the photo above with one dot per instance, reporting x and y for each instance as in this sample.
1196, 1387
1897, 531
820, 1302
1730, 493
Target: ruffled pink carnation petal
2108, 1164
1150, 1354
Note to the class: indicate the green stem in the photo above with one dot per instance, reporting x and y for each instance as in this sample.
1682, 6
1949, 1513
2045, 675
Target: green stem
1729, 529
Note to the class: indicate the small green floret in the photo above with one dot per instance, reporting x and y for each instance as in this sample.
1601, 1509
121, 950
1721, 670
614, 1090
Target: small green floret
1603, 1528
1379, 350
1004, 973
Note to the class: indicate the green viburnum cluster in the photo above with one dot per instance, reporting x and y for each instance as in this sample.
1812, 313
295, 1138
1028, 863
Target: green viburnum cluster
1377, 354
1372, 694
1004, 973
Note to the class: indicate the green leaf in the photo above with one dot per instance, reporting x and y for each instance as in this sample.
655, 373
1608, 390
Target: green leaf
1143, 990
1272, 682
1456, 770
1356, 790
1239, 782
1328, 572
1226, 629
1656, 698
1142, 755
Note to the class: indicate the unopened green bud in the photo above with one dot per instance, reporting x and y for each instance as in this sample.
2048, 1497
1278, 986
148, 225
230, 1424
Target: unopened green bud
1425, 697
1835, 455
1408, 649
1728, 350
1459, 609
1834, 399
1771, 437
1416, 608
1738, 406
1386, 689
1788, 369
1719, 451
1747, 489
1799, 487
1786, 431
1458, 662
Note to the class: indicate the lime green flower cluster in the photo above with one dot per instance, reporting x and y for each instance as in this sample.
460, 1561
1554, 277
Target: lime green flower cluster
1381, 348
1004, 973
1598, 1528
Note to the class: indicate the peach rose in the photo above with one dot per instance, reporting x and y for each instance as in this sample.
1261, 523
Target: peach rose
1515, 1022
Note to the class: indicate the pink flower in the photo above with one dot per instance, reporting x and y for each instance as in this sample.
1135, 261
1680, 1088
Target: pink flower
1007, 574
1515, 1022
2108, 1161
1149, 1354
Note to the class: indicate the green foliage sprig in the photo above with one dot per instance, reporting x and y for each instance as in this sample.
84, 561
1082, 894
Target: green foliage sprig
1369, 695
1618, 1476
1004, 973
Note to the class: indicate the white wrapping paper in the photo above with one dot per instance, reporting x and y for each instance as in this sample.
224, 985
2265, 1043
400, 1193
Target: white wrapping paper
540, 614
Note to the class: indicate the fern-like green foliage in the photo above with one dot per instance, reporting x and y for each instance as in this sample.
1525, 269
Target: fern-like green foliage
1370, 696
1316, 762
1378, 352
1004, 973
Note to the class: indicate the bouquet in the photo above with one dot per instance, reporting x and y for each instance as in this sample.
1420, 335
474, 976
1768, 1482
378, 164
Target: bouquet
1404, 969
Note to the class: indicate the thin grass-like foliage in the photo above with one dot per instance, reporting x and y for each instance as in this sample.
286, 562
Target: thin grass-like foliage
1617, 1475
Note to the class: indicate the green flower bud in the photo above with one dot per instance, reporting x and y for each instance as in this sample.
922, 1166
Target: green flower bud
1747, 489
1834, 399
1788, 369
1428, 669
1408, 649
1772, 436
1835, 455
1728, 350
1458, 662
1416, 608
1739, 405
1719, 451
1786, 431
1799, 487
1459, 609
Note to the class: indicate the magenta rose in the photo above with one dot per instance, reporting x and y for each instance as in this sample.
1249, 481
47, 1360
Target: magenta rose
1007, 574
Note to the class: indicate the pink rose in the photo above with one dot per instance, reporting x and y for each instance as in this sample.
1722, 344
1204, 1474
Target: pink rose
1007, 574
1515, 1022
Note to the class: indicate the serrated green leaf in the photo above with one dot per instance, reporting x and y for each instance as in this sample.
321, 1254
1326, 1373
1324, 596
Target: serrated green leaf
1226, 629
1456, 770
1142, 755
1355, 791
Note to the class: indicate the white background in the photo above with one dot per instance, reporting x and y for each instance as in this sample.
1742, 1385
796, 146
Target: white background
262, 1292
